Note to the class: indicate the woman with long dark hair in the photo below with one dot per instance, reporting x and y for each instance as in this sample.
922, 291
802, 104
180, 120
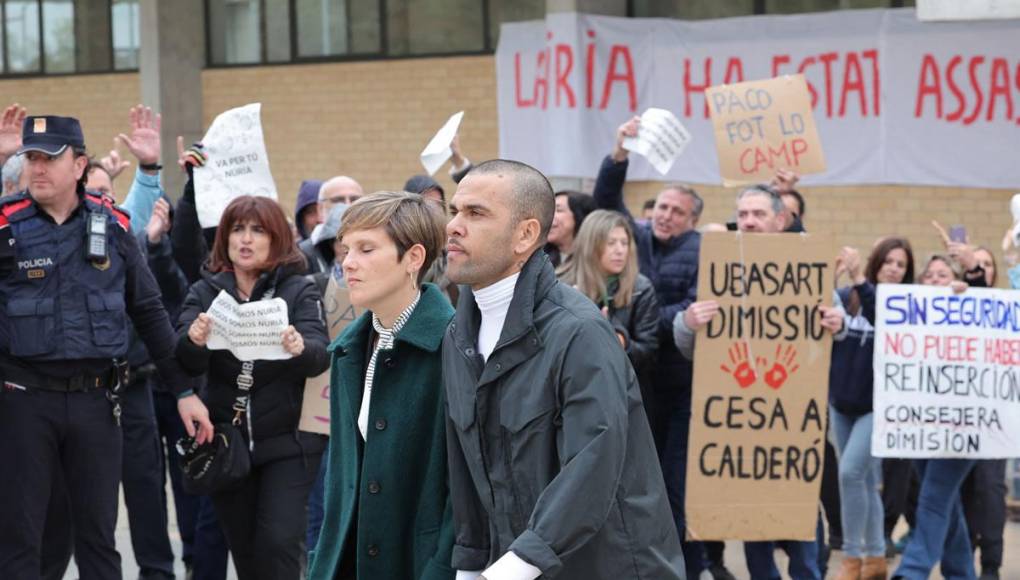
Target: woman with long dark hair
254, 258
850, 405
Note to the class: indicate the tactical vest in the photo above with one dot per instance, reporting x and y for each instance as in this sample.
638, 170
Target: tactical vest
60, 305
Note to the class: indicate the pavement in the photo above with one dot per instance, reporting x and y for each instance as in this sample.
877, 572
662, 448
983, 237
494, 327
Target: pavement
734, 556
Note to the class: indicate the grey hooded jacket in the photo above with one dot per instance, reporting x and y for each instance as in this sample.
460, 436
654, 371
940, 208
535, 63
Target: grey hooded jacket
549, 447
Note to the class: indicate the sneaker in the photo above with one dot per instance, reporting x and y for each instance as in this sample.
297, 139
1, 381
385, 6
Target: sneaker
719, 572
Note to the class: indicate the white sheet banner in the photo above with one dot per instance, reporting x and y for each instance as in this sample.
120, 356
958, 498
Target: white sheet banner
947, 373
896, 100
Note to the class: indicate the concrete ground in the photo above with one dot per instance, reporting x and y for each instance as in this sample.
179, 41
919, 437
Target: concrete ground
734, 555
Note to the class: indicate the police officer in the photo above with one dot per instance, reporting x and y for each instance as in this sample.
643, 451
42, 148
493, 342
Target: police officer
71, 274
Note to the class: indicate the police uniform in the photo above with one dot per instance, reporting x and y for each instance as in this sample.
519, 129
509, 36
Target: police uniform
66, 292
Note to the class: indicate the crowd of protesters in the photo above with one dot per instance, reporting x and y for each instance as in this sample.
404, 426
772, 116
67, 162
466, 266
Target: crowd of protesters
485, 419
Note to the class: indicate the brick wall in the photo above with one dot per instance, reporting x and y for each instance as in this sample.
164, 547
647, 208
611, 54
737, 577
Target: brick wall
368, 120
101, 102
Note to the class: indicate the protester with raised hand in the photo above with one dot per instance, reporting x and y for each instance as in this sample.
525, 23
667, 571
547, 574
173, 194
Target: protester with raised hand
850, 405
605, 269
143, 142
254, 258
667, 249
387, 501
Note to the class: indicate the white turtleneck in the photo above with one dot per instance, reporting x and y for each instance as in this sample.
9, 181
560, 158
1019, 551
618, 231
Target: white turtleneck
493, 302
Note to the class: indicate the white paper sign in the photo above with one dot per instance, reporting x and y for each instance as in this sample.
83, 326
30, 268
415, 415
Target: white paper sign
438, 150
252, 331
661, 139
238, 164
947, 373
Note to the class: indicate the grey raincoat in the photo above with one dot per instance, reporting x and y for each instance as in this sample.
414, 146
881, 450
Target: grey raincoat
549, 447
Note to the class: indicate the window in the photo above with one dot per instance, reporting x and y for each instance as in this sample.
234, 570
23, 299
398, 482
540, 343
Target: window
126, 43
58, 35
68, 36
692, 9
270, 31
501, 11
235, 31
21, 33
434, 26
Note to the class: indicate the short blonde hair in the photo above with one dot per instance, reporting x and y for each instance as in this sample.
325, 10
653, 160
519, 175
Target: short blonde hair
585, 270
407, 218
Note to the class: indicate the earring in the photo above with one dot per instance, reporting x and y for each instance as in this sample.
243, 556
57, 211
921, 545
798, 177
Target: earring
414, 280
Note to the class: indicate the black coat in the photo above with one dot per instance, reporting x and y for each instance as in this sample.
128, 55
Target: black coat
278, 391
549, 447
638, 322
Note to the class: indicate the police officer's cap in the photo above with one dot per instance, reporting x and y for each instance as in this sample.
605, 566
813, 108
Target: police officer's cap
51, 135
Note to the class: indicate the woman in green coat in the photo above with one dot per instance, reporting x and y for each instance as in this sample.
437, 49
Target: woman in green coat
387, 504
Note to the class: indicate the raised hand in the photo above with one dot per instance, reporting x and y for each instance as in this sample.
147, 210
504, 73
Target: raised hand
10, 130
159, 223
742, 371
113, 164
628, 129
784, 180
144, 141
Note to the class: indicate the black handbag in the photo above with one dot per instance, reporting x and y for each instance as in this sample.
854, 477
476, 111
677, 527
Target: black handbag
220, 465
223, 463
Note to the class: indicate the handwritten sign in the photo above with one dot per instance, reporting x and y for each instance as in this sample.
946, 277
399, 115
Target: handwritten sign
438, 150
238, 164
661, 139
339, 313
761, 373
762, 126
947, 373
252, 331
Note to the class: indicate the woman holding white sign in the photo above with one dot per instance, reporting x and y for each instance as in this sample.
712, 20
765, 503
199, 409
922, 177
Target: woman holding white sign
255, 266
850, 405
940, 535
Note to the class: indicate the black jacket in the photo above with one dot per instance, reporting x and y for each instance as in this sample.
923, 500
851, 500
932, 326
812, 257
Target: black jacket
851, 377
279, 386
638, 322
549, 447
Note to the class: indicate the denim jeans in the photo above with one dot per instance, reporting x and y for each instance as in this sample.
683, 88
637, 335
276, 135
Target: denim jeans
941, 531
860, 475
761, 563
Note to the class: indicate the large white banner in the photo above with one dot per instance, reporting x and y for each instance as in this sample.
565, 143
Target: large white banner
896, 100
947, 373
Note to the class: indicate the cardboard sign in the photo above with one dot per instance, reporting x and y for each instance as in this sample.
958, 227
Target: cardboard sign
661, 139
438, 150
339, 313
761, 375
947, 373
238, 164
251, 331
762, 126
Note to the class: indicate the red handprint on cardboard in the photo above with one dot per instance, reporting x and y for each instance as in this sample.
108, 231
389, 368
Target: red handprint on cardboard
782, 367
742, 370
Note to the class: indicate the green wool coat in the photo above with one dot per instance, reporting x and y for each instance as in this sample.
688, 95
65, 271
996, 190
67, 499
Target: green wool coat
390, 490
